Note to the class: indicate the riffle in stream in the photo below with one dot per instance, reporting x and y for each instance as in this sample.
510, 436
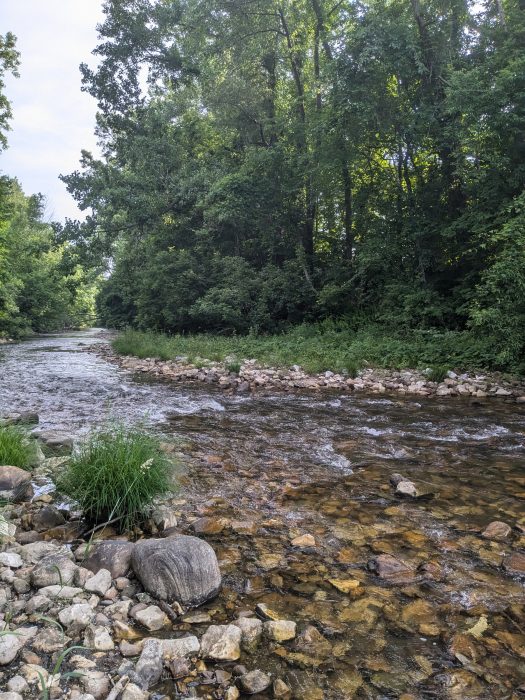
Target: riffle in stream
265, 469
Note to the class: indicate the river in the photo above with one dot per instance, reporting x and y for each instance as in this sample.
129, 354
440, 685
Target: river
267, 468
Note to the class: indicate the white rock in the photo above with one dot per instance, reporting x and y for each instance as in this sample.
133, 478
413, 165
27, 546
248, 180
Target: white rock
152, 618
64, 592
17, 684
406, 488
11, 559
80, 614
179, 648
251, 629
133, 692
100, 583
96, 683
98, 638
10, 645
11, 696
221, 643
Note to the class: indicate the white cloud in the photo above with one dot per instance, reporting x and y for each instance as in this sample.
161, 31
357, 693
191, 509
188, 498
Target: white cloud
53, 119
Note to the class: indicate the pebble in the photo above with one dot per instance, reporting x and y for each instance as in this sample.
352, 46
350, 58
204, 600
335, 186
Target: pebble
100, 583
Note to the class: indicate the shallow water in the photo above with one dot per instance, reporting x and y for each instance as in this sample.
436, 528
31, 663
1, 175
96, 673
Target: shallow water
295, 464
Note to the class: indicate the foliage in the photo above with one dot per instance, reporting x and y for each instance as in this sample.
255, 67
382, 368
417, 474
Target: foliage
116, 474
331, 346
43, 286
294, 161
9, 62
16, 449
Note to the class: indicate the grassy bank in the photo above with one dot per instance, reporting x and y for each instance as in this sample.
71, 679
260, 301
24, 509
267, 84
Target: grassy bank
317, 348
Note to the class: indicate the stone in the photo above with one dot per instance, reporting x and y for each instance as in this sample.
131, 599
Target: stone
133, 692
406, 488
496, 530
280, 630
113, 555
280, 689
515, 563
33, 552
10, 645
98, 638
304, 541
209, 526
10, 696
152, 618
128, 649
251, 629
164, 518
15, 484
80, 615
49, 640
100, 583
64, 592
47, 518
221, 643
149, 666
180, 648
17, 684
255, 682
11, 559
232, 693
391, 569
180, 568
96, 683
54, 569
345, 585
54, 440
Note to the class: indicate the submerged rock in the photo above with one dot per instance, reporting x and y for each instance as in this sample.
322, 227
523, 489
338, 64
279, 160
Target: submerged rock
391, 569
255, 682
181, 568
496, 530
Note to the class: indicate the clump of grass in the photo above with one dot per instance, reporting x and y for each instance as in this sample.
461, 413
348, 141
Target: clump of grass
234, 367
16, 449
437, 373
116, 474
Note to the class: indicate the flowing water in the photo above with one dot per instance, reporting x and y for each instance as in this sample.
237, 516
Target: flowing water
264, 469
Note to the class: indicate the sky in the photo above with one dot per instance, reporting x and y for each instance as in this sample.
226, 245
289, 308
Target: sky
53, 120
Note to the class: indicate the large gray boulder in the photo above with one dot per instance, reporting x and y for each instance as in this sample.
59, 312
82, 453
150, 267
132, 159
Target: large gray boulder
180, 568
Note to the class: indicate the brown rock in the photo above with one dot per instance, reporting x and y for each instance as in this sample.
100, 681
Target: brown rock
113, 555
515, 563
496, 530
209, 526
15, 484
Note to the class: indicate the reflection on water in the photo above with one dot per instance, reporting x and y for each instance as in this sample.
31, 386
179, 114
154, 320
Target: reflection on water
278, 466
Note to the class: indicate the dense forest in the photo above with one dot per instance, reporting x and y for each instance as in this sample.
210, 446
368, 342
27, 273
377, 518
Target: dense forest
265, 163
43, 285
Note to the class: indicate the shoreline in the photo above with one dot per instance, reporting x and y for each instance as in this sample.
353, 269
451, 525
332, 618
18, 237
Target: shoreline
254, 377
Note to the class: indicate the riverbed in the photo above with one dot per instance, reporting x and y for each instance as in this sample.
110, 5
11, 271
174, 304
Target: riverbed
265, 469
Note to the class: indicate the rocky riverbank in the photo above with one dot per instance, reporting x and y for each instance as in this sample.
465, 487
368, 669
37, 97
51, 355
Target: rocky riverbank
253, 377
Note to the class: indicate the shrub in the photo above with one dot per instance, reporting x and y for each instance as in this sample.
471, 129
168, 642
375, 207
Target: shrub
16, 449
116, 474
234, 367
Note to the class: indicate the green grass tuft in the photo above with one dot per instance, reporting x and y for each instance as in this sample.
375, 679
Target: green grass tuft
16, 448
234, 367
117, 473
438, 373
